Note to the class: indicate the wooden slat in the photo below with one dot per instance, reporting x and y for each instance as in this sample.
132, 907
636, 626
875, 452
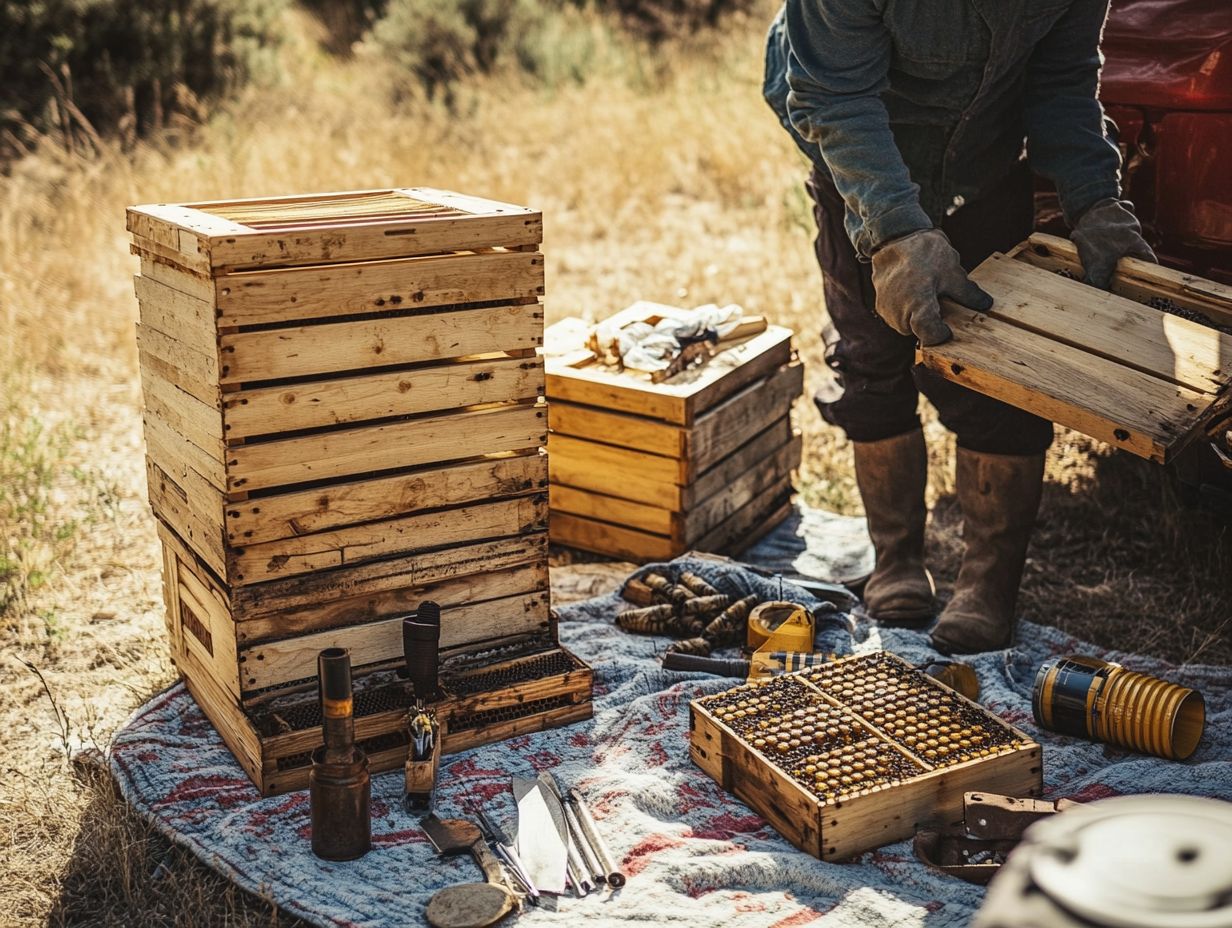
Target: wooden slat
1139, 280
755, 483
726, 427
1100, 398
193, 372
220, 655
289, 295
225, 713
623, 512
1156, 343
171, 275
321, 509
183, 503
380, 447
312, 350
186, 318
384, 596
616, 428
612, 464
744, 459
176, 454
354, 544
268, 410
181, 412
678, 400
750, 522
291, 659
605, 538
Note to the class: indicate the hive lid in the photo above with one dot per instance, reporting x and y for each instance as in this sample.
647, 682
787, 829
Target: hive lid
216, 237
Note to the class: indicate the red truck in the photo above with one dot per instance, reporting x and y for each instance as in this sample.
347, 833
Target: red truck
1167, 84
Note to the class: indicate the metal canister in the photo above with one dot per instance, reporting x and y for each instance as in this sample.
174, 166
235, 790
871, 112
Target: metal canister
1129, 862
1101, 700
339, 789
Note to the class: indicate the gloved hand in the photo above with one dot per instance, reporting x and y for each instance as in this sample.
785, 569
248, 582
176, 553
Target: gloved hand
910, 273
1106, 233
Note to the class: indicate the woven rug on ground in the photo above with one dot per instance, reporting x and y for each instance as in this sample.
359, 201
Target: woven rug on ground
694, 855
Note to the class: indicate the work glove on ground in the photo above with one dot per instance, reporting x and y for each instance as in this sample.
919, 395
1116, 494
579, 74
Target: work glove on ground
1106, 233
911, 273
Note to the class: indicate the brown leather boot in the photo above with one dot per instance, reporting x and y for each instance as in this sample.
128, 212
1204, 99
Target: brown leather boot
891, 474
999, 495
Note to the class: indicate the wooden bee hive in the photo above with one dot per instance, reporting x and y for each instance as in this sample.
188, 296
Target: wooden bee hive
1146, 368
343, 417
646, 471
858, 753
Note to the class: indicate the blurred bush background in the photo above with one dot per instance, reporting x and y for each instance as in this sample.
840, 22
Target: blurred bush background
82, 70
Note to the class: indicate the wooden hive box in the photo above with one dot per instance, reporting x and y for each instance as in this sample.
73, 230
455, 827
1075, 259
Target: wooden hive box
1115, 366
646, 471
343, 417
839, 758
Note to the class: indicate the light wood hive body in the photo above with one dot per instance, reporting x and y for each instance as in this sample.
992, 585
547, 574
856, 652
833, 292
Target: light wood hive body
1112, 365
857, 753
344, 417
647, 471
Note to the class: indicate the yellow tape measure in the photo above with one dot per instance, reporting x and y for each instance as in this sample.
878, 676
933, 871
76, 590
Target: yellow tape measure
781, 626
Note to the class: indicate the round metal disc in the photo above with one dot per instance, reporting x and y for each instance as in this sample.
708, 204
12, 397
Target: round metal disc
469, 905
1140, 862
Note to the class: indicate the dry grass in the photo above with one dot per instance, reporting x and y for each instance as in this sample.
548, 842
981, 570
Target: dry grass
660, 181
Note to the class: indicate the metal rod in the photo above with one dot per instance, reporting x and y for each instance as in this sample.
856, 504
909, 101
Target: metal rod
615, 878
590, 860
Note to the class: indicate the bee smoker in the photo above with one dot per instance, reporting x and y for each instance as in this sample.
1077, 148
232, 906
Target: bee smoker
339, 790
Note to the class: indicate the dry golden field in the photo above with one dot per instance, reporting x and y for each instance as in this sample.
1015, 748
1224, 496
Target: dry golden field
661, 177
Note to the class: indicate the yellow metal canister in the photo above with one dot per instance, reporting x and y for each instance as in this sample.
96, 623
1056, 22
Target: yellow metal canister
1091, 698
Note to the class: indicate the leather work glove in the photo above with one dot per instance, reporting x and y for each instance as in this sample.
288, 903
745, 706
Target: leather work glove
1106, 233
910, 274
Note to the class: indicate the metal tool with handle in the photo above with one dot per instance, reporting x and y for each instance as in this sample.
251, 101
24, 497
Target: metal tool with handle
467, 905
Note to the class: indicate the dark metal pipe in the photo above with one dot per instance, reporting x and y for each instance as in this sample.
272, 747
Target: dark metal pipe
421, 641
339, 789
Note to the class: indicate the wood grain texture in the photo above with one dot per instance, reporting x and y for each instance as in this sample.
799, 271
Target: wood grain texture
677, 400
324, 508
285, 661
605, 538
313, 350
346, 452
1165, 346
342, 400
1108, 401
288, 295
355, 544
188, 319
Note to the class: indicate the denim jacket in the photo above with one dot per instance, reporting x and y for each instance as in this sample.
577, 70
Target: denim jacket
917, 106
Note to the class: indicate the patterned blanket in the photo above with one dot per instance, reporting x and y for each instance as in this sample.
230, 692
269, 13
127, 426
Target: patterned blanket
695, 855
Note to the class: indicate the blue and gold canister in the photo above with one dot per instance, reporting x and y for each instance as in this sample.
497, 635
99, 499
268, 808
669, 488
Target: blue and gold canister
1101, 700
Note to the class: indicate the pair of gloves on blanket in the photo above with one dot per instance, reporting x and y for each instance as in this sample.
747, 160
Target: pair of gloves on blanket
911, 273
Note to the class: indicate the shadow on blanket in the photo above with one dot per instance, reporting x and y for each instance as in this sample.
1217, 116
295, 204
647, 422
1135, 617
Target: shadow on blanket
695, 856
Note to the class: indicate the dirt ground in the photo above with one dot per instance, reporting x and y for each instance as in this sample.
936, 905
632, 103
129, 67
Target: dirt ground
678, 188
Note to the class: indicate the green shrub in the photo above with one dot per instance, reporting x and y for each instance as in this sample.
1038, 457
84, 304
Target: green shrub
441, 42
659, 20
80, 68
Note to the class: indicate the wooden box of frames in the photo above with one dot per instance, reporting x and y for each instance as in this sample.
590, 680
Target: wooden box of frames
858, 753
344, 417
1143, 367
645, 468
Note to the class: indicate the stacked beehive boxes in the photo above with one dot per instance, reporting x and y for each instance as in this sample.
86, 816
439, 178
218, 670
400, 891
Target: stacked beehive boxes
646, 471
344, 417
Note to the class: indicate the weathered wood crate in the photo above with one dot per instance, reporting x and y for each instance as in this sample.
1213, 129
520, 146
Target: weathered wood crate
646, 471
344, 416
1146, 368
857, 753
